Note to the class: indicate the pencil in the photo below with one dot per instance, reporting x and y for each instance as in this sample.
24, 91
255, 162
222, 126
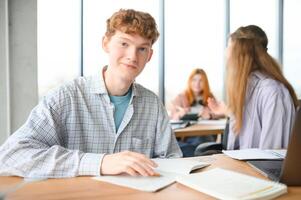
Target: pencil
156, 174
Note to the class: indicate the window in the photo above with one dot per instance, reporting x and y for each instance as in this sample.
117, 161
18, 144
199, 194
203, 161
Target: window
58, 42
292, 44
95, 15
198, 43
257, 12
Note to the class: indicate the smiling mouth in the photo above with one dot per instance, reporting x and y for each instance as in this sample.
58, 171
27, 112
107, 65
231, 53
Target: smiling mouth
130, 66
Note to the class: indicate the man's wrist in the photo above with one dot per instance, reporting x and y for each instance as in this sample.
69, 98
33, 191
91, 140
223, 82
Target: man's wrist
101, 164
90, 164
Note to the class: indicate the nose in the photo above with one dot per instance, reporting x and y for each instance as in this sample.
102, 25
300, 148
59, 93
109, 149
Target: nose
132, 54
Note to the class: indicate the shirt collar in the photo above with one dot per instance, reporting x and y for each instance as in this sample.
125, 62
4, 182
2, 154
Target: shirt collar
254, 80
97, 85
255, 77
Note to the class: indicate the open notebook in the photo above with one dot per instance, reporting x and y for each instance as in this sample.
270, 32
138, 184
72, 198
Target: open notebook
256, 154
168, 168
226, 184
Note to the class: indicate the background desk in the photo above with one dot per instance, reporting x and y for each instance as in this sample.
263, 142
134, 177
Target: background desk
86, 188
199, 130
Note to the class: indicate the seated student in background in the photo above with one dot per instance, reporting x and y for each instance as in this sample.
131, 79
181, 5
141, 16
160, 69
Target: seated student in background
193, 100
261, 102
101, 125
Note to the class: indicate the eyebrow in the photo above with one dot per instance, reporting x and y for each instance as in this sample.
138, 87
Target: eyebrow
143, 44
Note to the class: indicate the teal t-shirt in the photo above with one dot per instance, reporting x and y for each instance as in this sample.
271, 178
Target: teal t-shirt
121, 104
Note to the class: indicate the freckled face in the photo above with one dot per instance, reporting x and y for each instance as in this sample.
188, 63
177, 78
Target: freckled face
128, 54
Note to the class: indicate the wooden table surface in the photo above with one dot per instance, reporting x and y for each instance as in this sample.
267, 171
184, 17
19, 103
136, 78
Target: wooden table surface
87, 188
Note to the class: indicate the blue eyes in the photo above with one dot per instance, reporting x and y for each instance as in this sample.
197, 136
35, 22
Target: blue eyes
142, 49
124, 45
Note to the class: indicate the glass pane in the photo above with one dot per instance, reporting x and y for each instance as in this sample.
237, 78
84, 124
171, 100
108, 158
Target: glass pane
58, 42
95, 15
194, 38
257, 12
292, 44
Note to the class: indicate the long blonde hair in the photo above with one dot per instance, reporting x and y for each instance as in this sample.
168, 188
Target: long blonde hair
205, 93
248, 54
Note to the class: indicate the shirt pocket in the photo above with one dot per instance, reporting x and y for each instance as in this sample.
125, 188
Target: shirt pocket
140, 145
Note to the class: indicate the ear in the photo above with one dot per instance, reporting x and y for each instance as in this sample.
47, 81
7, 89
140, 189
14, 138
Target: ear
150, 55
105, 42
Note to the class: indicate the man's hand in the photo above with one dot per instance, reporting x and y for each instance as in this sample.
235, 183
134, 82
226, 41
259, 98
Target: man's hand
127, 162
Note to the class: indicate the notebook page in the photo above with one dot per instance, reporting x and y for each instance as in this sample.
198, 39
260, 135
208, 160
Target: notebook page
278, 152
216, 122
226, 184
252, 154
178, 165
147, 184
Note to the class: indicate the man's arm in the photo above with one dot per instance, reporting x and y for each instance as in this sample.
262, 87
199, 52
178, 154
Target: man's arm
36, 149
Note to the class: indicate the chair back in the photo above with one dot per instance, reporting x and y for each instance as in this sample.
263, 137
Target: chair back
225, 135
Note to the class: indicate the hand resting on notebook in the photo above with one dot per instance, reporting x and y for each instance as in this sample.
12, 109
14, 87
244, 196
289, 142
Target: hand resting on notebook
128, 162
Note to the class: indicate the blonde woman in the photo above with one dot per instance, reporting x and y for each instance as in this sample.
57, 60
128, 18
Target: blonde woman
194, 98
261, 103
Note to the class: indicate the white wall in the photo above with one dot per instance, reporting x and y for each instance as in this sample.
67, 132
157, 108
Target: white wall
18, 63
4, 87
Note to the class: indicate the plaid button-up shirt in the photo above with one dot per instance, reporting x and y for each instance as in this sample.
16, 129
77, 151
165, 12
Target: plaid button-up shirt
71, 129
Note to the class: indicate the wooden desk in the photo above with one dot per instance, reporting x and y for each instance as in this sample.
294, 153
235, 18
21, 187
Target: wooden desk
86, 188
199, 130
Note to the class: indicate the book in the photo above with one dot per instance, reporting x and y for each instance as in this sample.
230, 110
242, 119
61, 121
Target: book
226, 184
256, 154
179, 124
214, 122
146, 184
168, 169
178, 165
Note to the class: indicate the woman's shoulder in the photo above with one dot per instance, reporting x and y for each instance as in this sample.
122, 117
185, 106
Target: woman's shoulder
263, 82
182, 95
269, 90
181, 100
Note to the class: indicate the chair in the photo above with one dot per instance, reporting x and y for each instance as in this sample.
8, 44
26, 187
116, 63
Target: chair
209, 148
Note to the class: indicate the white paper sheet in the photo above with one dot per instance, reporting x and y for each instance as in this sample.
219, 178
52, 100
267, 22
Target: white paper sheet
256, 154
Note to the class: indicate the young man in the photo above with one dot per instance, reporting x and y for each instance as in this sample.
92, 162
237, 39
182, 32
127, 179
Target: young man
101, 125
